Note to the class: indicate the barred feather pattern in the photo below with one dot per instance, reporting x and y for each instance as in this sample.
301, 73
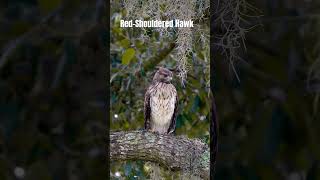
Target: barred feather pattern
161, 100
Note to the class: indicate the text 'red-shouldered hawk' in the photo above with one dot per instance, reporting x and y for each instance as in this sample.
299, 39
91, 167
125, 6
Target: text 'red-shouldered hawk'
160, 103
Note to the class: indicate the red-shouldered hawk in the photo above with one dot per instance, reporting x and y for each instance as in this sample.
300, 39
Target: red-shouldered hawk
160, 103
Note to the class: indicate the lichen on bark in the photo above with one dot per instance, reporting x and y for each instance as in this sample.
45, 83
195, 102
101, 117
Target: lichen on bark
174, 152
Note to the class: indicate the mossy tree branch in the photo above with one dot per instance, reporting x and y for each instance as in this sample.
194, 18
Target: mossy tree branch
174, 152
155, 60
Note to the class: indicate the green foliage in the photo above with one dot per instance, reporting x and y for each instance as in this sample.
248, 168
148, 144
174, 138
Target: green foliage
131, 49
127, 56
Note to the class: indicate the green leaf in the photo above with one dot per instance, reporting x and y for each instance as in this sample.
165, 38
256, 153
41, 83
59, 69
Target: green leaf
125, 43
127, 56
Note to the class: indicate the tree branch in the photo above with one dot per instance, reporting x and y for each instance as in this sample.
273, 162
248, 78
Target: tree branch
174, 152
153, 61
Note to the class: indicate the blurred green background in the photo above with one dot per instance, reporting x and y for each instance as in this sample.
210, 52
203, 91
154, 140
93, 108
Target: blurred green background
132, 52
52, 89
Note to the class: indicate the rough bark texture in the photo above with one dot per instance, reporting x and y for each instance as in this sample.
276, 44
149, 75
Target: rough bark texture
174, 152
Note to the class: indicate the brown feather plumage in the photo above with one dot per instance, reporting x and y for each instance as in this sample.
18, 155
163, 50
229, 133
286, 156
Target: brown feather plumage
161, 102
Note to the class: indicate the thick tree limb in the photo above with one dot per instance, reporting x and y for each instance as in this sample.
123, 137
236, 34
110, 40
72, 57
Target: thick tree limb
174, 152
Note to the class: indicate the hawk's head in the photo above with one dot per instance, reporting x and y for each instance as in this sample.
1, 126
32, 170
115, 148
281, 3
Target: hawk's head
163, 75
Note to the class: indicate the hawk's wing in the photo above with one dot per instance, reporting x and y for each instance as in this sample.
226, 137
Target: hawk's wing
147, 110
172, 126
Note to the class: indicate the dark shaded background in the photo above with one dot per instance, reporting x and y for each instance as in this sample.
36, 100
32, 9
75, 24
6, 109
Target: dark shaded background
52, 116
52, 89
269, 121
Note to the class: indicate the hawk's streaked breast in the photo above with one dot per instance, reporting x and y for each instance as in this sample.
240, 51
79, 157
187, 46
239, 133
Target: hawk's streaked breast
162, 103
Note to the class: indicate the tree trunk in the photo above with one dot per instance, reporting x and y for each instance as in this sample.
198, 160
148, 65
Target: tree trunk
174, 152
